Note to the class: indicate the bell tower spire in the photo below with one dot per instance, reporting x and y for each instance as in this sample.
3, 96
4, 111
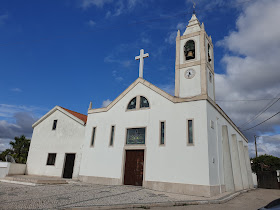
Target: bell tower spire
194, 65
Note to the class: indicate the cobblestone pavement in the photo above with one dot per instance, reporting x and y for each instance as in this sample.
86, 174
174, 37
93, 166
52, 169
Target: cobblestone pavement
77, 194
251, 200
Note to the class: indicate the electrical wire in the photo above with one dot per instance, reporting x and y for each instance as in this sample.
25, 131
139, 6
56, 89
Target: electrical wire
261, 112
264, 99
262, 122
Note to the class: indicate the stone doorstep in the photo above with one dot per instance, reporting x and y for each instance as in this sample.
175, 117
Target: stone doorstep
36, 181
167, 204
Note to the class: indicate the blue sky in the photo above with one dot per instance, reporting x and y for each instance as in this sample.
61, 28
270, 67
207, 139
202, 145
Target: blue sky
69, 53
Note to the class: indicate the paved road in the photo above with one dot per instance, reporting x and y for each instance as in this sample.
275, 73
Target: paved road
77, 194
251, 200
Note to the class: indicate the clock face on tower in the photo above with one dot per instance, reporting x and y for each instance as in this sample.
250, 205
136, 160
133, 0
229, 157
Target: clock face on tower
189, 73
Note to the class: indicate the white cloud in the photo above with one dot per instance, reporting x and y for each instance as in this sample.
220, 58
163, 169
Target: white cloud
124, 63
169, 88
266, 145
252, 67
3, 19
91, 23
16, 90
106, 103
115, 75
8, 110
116, 7
16, 121
145, 40
171, 36
98, 3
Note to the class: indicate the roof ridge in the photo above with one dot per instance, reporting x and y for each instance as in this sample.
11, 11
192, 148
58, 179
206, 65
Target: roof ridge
81, 116
72, 110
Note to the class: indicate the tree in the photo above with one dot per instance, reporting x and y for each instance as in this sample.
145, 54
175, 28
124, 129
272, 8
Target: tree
265, 163
19, 151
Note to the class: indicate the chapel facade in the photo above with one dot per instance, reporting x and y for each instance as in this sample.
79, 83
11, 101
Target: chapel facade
147, 137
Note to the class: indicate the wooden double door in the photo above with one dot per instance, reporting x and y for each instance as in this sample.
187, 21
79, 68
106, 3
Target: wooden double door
134, 164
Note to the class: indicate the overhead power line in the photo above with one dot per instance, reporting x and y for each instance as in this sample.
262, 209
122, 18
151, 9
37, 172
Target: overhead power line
262, 122
263, 99
261, 112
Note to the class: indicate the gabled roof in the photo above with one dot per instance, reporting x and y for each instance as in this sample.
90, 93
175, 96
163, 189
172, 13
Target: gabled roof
78, 117
169, 97
153, 88
76, 114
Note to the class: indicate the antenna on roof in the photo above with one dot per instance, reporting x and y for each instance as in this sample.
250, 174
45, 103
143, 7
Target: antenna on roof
193, 7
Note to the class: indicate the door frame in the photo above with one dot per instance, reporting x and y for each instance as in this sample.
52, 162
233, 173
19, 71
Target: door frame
124, 160
64, 161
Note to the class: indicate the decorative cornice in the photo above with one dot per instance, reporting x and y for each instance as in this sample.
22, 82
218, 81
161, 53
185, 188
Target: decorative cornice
190, 35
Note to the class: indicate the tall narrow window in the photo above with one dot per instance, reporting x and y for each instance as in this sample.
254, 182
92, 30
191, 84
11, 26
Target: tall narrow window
51, 159
209, 56
162, 133
93, 136
190, 131
112, 135
210, 76
54, 124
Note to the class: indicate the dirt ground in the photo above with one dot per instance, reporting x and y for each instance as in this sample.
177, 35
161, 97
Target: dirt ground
254, 199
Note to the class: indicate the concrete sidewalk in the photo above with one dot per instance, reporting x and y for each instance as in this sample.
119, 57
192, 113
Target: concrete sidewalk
83, 195
35, 179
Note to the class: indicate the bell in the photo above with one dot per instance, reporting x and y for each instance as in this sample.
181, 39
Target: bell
190, 54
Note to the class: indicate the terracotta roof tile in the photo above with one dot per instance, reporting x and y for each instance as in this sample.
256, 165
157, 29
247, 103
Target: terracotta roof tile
76, 114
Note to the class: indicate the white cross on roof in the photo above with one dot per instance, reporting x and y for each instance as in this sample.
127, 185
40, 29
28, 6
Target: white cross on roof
141, 64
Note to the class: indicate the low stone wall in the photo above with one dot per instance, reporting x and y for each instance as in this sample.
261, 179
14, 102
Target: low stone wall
4, 169
7, 168
17, 169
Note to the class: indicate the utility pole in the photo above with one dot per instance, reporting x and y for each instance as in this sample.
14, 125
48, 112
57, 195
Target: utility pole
256, 145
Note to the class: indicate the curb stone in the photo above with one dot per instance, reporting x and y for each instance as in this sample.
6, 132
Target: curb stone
22, 183
166, 204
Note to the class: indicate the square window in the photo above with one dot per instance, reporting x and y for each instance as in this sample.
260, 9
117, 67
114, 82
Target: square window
135, 136
51, 159
54, 124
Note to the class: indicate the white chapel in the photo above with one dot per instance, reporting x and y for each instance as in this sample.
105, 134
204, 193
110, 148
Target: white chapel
146, 137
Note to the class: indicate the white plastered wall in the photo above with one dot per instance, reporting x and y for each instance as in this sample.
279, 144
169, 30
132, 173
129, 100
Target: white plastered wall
175, 162
210, 85
215, 141
190, 87
67, 138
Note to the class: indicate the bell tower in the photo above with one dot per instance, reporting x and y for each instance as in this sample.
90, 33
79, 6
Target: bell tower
194, 65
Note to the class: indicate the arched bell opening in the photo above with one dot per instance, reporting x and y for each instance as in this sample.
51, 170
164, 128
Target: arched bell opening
189, 50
